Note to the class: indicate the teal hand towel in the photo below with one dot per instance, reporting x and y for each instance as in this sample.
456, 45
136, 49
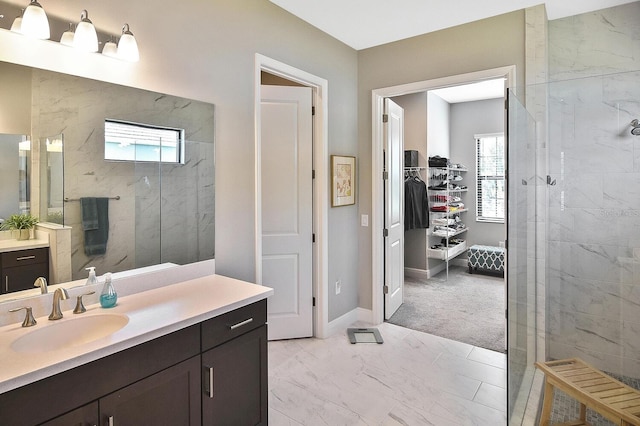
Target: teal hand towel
95, 240
89, 212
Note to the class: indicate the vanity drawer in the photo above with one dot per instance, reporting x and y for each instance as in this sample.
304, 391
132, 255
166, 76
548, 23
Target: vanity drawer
233, 324
12, 259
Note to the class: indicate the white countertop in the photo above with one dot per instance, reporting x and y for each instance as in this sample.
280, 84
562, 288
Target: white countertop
152, 314
14, 245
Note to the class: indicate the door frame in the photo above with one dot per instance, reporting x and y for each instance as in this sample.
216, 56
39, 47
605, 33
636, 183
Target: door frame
377, 183
320, 90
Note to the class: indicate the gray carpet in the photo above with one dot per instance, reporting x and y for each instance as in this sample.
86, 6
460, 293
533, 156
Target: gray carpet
468, 308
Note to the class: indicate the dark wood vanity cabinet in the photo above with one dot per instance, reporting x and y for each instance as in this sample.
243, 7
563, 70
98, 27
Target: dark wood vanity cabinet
19, 269
86, 415
235, 368
212, 373
171, 397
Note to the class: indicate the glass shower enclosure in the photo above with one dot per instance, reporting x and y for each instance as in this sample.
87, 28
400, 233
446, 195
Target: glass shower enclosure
593, 236
573, 285
521, 259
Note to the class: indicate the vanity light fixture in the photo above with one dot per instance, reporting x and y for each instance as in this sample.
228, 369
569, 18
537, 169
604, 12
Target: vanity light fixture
127, 46
68, 36
110, 48
16, 26
34, 21
86, 38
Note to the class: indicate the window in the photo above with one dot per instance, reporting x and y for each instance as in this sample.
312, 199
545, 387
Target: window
490, 178
142, 142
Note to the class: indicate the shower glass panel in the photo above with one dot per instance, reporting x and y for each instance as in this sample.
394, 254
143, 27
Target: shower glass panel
148, 217
593, 244
521, 184
174, 208
187, 206
52, 179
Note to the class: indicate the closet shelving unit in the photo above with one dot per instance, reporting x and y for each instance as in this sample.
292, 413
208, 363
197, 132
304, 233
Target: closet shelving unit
444, 197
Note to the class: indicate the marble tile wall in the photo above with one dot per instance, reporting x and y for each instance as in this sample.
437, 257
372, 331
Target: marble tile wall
593, 290
181, 202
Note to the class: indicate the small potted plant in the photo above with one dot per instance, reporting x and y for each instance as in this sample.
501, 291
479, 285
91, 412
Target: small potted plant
22, 224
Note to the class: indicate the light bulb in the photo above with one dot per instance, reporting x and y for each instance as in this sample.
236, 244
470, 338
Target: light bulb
68, 36
86, 38
127, 46
110, 49
34, 21
16, 26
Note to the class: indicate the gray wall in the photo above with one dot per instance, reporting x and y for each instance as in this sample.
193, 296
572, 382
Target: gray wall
467, 120
15, 108
206, 51
485, 44
438, 124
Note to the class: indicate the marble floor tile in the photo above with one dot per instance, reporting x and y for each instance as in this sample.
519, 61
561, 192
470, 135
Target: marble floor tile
411, 379
492, 396
472, 369
486, 356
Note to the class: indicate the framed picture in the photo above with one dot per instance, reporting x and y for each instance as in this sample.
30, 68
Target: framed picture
343, 180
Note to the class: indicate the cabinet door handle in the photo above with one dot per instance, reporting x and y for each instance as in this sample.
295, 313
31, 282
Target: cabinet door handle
110, 421
25, 257
240, 324
6, 284
208, 380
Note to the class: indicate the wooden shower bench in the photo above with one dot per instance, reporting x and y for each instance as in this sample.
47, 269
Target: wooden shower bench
591, 388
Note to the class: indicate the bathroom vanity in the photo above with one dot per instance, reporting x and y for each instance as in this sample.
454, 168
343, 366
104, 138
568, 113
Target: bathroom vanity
21, 262
189, 353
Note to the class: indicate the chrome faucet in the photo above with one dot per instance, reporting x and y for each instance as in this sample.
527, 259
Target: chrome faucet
42, 283
59, 294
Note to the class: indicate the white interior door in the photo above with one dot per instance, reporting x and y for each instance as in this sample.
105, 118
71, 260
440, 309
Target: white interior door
394, 208
287, 197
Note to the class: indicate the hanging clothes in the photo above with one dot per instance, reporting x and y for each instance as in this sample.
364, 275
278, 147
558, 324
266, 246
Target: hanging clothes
416, 204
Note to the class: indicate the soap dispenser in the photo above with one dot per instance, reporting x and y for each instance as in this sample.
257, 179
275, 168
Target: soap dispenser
108, 297
92, 276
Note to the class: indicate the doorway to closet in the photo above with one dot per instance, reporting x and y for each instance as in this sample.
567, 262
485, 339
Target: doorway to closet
454, 141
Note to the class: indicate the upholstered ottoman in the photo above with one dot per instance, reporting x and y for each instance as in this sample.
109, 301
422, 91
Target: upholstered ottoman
486, 258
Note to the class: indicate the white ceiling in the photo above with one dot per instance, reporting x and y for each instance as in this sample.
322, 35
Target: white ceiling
366, 23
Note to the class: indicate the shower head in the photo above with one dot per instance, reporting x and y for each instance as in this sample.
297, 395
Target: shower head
635, 129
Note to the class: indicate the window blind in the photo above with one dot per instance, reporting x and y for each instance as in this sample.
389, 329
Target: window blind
490, 166
142, 142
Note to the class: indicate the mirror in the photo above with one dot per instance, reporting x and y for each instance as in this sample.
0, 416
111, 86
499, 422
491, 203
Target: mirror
158, 211
15, 159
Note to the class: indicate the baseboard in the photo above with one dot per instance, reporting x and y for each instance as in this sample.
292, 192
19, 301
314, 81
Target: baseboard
417, 274
459, 262
365, 315
340, 324
422, 274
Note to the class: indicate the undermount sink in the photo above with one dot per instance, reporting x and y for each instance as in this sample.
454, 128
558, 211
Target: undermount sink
69, 332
